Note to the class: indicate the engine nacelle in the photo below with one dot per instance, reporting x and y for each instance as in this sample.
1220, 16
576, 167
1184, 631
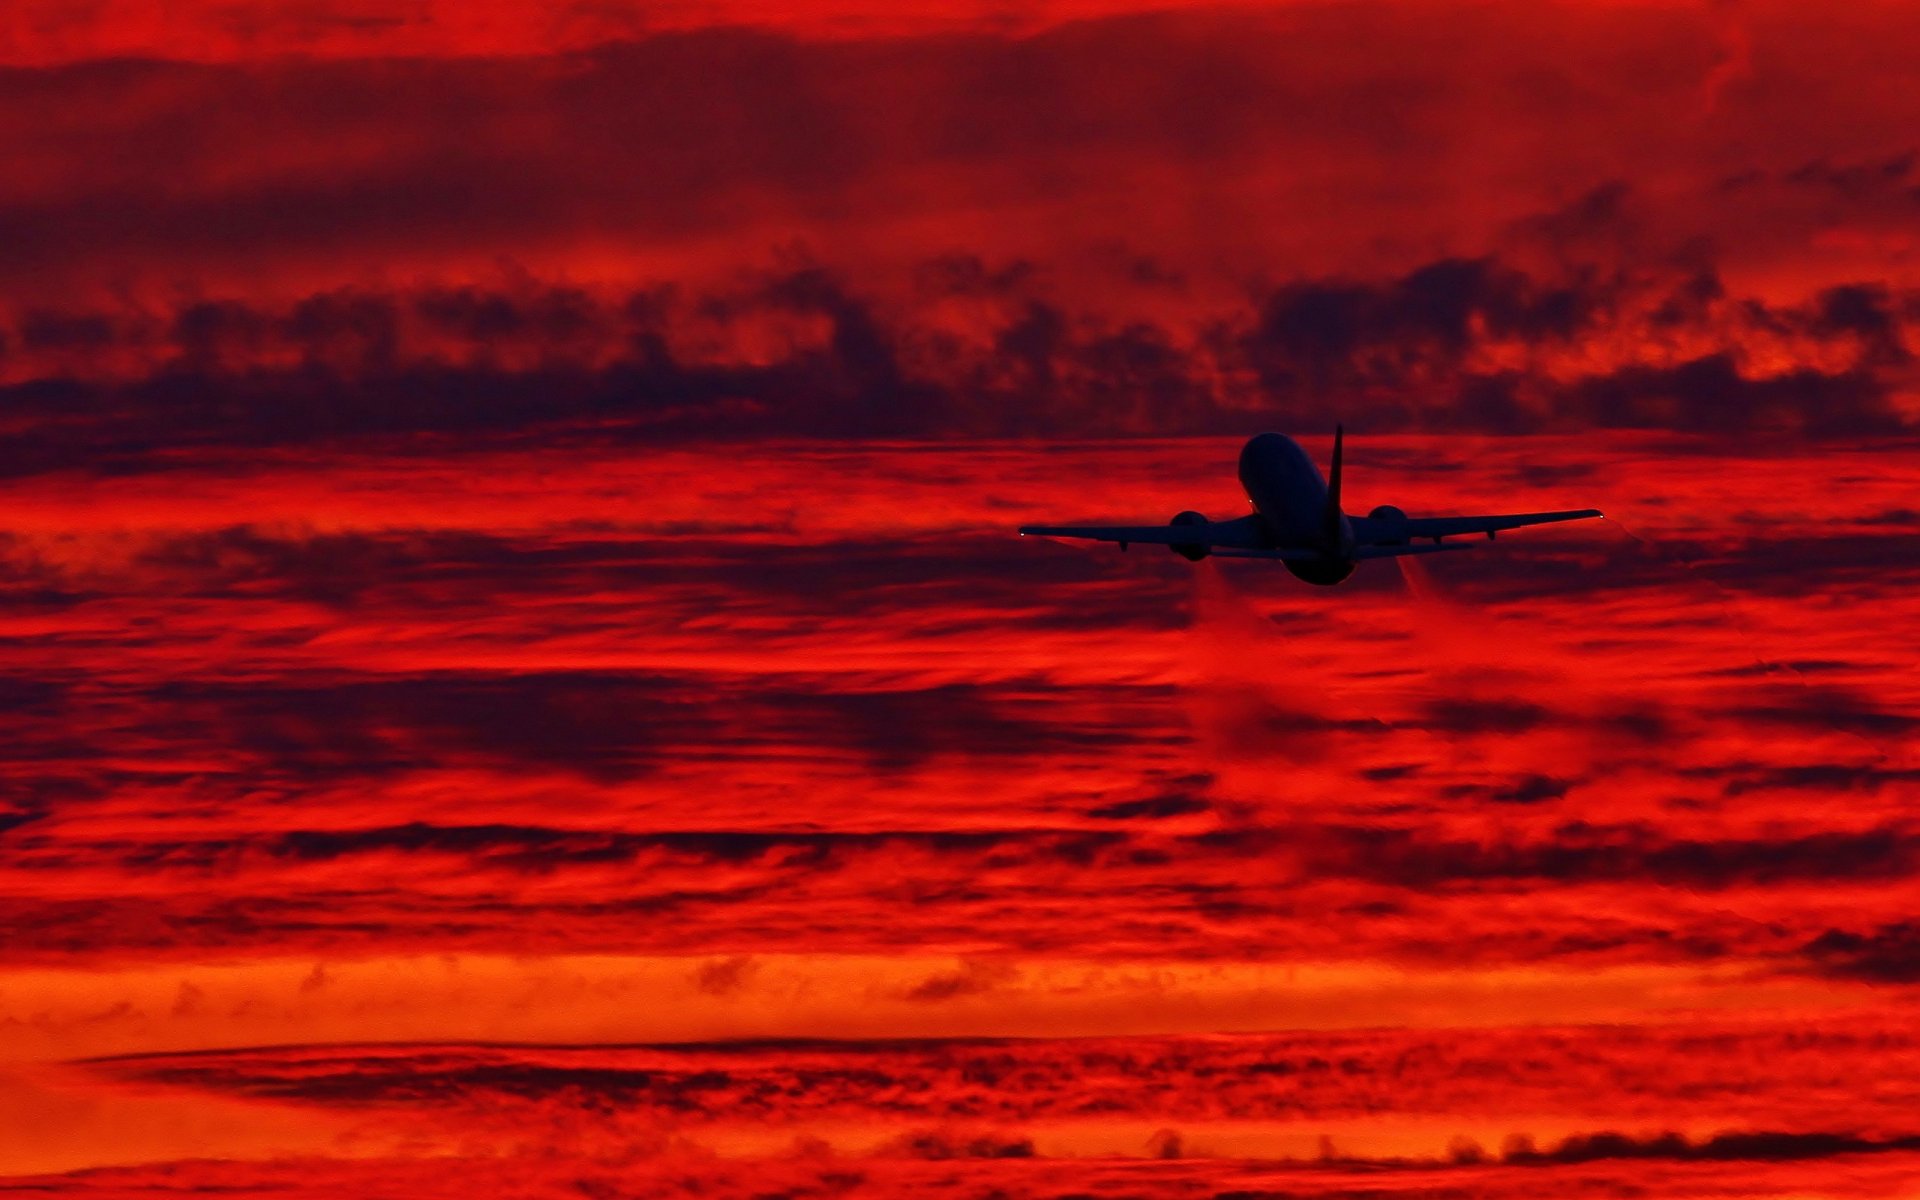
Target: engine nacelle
1191, 551
1387, 512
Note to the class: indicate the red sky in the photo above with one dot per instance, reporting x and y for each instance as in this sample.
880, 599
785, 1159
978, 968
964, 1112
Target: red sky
518, 668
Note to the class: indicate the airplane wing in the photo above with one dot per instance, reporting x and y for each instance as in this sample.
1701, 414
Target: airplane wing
1244, 533
1389, 531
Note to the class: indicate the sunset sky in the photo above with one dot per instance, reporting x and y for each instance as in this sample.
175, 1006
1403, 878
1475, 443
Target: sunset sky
519, 679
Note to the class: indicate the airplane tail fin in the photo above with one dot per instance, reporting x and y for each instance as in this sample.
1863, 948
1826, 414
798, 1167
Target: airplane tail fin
1332, 518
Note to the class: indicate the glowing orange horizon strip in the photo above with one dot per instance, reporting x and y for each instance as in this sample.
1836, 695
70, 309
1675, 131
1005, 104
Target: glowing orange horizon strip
56, 1014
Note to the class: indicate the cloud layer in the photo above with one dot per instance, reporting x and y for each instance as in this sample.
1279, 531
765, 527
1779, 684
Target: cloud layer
509, 601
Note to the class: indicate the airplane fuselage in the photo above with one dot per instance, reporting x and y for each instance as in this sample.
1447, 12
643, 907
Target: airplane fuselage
1290, 494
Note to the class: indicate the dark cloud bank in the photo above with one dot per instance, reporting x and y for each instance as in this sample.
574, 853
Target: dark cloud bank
1414, 223
1460, 344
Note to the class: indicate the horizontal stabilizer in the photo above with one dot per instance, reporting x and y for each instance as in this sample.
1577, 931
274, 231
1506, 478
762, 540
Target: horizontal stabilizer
1291, 554
1401, 551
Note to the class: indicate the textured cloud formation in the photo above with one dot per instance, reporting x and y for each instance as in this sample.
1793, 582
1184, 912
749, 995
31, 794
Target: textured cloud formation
625, 695
1242, 132
1310, 1106
1459, 344
687, 224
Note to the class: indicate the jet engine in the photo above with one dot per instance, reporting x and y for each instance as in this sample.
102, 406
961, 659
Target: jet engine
1191, 551
1387, 512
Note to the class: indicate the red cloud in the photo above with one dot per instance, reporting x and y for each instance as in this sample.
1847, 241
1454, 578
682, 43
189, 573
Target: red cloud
508, 535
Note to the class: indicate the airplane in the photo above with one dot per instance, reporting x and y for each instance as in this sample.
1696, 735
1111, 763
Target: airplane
1297, 520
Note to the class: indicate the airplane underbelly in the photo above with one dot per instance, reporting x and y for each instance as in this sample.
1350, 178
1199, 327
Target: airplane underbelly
1283, 514
1287, 491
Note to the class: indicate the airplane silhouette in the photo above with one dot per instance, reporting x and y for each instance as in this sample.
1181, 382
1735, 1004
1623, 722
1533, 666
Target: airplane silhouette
1297, 520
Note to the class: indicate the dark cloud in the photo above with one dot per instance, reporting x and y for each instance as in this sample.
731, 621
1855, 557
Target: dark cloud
1819, 778
539, 849
1856, 179
1758, 1145
14, 818
942, 1144
1422, 351
1151, 808
1869, 312
972, 979
1713, 391
960, 573
1742, 558
725, 976
941, 1084
1322, 335
1887, 954
22, 697
1817, 706
607, 725
40, 330
1578, 854
1532, 789
1411, 353
1467, 715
